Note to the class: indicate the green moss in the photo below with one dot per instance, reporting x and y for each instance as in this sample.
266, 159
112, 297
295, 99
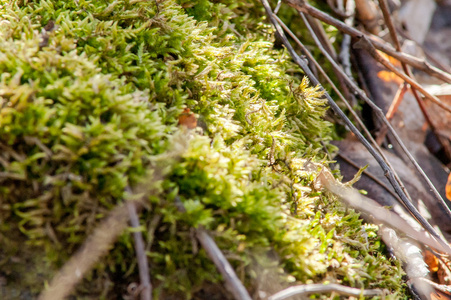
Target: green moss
90, 95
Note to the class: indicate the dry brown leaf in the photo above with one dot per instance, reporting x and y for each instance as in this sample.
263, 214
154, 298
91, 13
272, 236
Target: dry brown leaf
431, 260
448, 187
188, 119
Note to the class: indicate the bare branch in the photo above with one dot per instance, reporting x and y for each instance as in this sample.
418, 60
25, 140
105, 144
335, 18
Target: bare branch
364, 43
96, 246
233, 284
379, 44
143, 266
307, 289
374, 212
406, 201
390, 176
344, 55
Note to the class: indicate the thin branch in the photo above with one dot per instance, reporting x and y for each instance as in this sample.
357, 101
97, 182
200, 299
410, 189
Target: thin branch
428, 55
399, 96
96, 245
382, 117
143, 266
371, 176
334, 87
346, 78
389, 23
348, 106
364, 43
371, 210
233, 284
408, 71
396, 101
303, 64
379, 44
308, 289
344, 55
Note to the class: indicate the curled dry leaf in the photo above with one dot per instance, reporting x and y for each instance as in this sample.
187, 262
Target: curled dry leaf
431, 260
448, 187
188, 119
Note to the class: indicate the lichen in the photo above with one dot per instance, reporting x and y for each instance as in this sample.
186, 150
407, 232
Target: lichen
90, 95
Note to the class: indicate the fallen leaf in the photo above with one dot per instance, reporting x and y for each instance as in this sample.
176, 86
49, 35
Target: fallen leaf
389, 76
448, 187
188, 119
431, 260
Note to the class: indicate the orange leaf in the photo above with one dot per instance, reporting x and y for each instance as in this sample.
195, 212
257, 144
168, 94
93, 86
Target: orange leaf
431, 260
389, 76
448, 187
188, 119
391, 59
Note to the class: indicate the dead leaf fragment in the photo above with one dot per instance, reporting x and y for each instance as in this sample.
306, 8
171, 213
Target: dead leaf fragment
431, 260
188, 119
448, 187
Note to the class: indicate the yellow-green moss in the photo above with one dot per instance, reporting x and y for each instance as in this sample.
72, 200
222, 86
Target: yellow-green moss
90, 94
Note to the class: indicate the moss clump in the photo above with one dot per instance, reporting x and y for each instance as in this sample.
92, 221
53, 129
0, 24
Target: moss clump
90, 95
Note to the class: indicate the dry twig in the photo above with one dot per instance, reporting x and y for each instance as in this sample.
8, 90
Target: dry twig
405, 200
374, 212
379, 44
96, 246
308, 289
233, 284
145, 287
348, 106
345, 55
390, 176
364, 43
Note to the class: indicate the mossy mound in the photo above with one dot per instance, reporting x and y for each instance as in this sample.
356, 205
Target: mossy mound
91, 93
